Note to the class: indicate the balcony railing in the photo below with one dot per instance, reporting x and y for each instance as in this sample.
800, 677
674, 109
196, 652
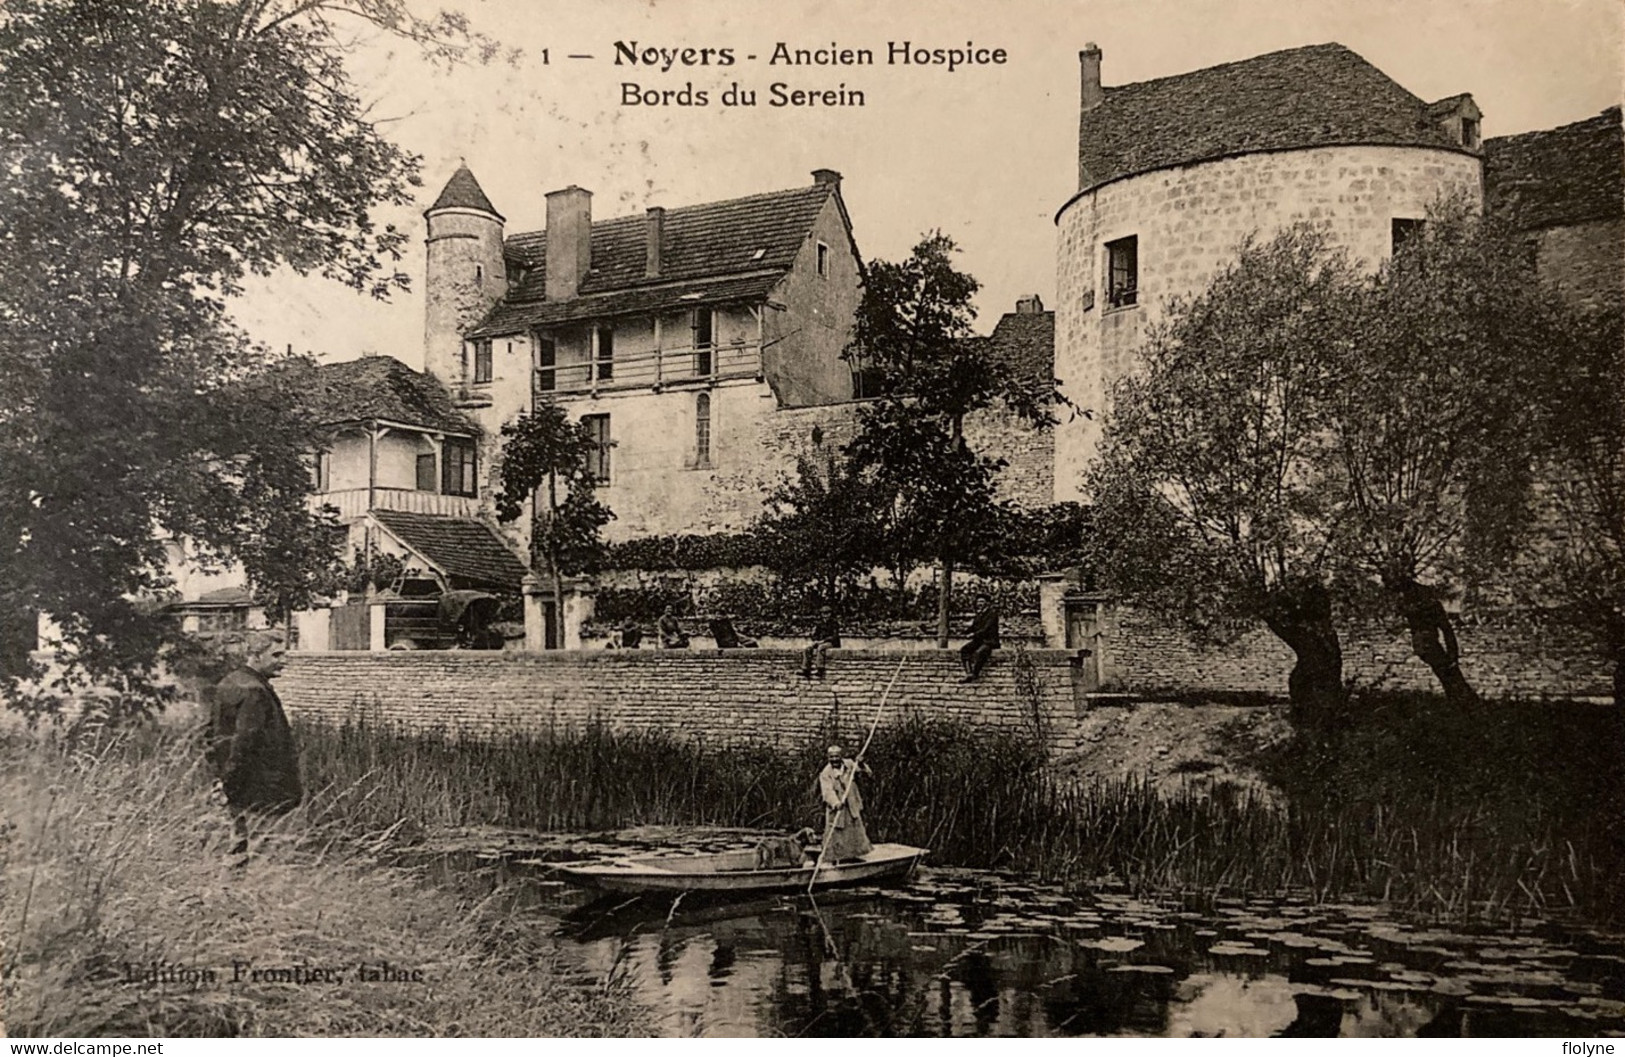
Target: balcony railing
352, 502
654, 367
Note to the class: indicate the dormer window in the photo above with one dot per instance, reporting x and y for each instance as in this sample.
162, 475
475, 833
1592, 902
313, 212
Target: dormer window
1469, 133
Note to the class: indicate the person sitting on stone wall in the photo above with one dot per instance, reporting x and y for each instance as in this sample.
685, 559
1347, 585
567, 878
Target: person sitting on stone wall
826, 636
672, 635
984, 639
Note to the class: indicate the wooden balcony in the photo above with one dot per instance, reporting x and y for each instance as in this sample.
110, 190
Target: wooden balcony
651, 369
352, 502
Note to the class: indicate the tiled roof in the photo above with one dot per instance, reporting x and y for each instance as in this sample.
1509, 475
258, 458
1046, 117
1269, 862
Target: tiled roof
1025, 342
384, 387
1558, 176
512, 317
1317, 96
462, 191
735, 239
460, 547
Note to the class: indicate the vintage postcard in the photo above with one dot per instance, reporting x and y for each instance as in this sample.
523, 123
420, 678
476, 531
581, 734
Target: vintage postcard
728, 518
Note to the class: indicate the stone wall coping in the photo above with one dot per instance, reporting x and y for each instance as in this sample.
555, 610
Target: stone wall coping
410, 658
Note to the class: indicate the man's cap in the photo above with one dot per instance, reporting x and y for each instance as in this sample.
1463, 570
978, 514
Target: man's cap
835, 752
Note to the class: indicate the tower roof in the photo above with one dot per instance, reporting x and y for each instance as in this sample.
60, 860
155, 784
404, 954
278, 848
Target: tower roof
462, 191
1317, 96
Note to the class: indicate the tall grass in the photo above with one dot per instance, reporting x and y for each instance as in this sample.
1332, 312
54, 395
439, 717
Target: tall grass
117, 855
1513, 833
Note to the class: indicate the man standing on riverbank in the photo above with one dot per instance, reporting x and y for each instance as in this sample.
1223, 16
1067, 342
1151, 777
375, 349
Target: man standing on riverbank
250, 741
844, 834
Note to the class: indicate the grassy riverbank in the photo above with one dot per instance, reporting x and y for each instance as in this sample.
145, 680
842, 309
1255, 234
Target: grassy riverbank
115, 856
1512, 811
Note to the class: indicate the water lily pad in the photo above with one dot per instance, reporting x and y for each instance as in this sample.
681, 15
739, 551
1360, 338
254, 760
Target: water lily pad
1115, 944
1237, 950
1148, 970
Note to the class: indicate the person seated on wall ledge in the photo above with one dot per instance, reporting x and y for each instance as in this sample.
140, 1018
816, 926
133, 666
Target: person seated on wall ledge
826, 636
672, 636
722, 629
984, 639
631, 635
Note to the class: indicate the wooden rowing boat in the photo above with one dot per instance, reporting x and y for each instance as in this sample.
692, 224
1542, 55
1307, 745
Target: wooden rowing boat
735, 871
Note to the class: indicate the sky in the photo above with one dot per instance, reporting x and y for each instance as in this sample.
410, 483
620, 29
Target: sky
986, 152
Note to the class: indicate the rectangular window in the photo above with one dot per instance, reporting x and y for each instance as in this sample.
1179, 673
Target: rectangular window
482, 362
457, 465
1123, 272
1405, 230
597, 427
823, 260
547, 357
704, 340
322, 471
606, 354
866, 382
426, 472
1469, 133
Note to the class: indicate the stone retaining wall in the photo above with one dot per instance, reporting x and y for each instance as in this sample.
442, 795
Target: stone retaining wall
734, 695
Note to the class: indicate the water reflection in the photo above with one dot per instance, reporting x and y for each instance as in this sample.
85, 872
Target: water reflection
961, 953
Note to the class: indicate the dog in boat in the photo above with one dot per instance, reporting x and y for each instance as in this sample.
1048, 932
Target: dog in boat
776, 852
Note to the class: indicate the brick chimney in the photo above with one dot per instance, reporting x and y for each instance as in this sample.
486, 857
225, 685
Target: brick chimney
655, 229
827, 176
569, 241
1089, 62
1031, 305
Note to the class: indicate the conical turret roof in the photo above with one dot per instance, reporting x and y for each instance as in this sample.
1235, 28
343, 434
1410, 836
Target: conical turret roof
462, 191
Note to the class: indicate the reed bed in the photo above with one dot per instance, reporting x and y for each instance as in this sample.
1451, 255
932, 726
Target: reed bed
1494, 830
121, 896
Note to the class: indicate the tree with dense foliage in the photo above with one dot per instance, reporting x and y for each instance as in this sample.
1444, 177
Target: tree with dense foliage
912, 336
1431, 426
546, 449
824, 530
1209, 501
157, 152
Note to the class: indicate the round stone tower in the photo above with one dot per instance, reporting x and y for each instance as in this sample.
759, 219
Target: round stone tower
1174, 173
466, 272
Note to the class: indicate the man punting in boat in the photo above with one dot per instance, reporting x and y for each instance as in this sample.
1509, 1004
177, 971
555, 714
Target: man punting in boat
844, 835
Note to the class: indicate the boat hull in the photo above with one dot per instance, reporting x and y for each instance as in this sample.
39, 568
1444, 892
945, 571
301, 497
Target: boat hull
735, 872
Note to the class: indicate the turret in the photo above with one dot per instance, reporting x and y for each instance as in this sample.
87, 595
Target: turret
466, 272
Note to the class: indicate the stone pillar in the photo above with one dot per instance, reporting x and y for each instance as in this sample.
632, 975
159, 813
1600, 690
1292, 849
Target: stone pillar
1052, 609
580, 600
315, 629
538, 593
375, 636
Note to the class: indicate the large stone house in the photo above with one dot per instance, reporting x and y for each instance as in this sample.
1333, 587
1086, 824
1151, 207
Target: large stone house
677, 336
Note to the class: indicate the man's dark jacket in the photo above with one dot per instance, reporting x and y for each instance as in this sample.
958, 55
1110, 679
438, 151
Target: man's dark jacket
984, 631
251, 744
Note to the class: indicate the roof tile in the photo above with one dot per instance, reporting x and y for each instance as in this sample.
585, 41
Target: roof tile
382, 387
750, 240
461, 547
1322, 95
1557, 177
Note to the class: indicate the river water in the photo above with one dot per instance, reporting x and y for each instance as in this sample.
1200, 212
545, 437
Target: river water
975, 953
